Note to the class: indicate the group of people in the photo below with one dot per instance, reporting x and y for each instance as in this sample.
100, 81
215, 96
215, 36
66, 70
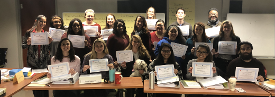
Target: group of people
141, 43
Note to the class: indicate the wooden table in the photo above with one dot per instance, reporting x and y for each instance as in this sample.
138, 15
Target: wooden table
250, 88
11, 88
126, 82
272, 92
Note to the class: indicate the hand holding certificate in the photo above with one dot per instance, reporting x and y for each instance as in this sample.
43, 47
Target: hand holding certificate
56, 34
212, 32
184, 30
151, 23
124, 56
39, 39
97, 65
227, 47
165, 71
202, 69
91, 30
179, 49
106, 33
77, 41
59, 70
246, 74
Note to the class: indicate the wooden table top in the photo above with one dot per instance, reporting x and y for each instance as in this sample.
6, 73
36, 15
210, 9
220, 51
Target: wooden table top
11, 88
126, 82
250, 88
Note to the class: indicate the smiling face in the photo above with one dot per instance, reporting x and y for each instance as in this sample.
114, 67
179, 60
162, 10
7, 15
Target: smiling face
120, 27
173, 33
151, 12
227, 29
90, 17
57, 23
41, 23
213, 16
198, 30
65, 46
135, 43
99, 47
180, 14
139, 23
201, 53
110, 20
245, 52
160, 27
76, 27
166, 52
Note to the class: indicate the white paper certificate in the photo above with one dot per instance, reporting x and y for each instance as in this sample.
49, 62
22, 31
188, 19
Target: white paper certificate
246, 74
227, 47
179, 49
91, 30
165, 71
59, 70
39, 39
56, 34
151, 23
125, 55
184, 30
77, 41
97, 65
212, 32
106, 33
202, 69
203, 43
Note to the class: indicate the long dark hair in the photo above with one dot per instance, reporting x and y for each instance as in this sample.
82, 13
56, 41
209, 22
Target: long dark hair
70, 29
107, 25
57, 17
204, 37
34, 26
59, 54
159, 60
115, 28
209, 57
180, 38
144, 28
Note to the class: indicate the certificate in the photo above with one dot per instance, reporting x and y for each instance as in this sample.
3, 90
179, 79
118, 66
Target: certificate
77, 41
184, 30
39, 39
106, 33
151, 23
203, 43
59, 70
91, 30
97, 65
202, 69
227, 47
165, 71
56, 34
212, 32
246, 74
125, 55
179, 49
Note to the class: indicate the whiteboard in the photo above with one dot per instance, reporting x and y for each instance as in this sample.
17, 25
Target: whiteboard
257, 29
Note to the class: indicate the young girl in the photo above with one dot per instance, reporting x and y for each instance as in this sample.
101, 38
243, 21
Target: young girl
38, 56
65, 53
166, 56
99, 51
203, 54
56, 22
76, 28
110, 20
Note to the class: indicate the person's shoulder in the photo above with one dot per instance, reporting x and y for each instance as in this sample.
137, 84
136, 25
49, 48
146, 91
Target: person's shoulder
153, 33
189, 39
186, 23
112, 36
96, 24
53, 58
174, 23
76, 57
236, 60
217, 38
108, 56
257, 61
193, 60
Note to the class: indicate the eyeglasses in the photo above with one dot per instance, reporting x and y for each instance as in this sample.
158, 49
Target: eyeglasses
166, 51
199, 52
212, 14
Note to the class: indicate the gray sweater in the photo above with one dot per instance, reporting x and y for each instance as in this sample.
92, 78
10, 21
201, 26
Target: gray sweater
189, 75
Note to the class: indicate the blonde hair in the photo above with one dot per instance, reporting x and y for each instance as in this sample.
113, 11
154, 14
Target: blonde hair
141, 49
93, 52
89, 11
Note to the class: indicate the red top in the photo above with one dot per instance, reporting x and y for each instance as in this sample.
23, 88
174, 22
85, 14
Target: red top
99, 30
115, 43
154, 37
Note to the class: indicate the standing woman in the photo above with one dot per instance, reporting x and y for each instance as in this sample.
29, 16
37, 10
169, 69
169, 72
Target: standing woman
38, 56
110, 20
140, 28
57, 23
151, 13
157, 35
119, 40
65, 53
226, 34
165, 56
89, 16
76, 28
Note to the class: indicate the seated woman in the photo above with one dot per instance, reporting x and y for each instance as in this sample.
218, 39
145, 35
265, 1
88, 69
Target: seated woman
165, 56
65, 53
99, 51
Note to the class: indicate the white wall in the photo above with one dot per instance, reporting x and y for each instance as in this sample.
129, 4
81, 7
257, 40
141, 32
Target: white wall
10, 35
